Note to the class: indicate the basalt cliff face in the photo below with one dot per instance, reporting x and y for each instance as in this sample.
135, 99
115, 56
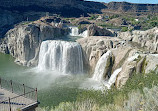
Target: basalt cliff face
132, 7
23, 42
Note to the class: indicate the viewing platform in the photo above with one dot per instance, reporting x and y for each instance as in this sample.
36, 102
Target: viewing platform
17, 97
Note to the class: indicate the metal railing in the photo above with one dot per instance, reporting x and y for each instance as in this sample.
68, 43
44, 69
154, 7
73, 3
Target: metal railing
16, 95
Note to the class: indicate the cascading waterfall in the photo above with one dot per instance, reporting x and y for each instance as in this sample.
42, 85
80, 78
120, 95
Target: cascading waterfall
61, 56
113, 77
101, 65
75, 32
84, 34
100, 69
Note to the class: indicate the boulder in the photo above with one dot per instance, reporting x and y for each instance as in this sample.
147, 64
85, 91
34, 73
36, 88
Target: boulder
151, 63
94, 30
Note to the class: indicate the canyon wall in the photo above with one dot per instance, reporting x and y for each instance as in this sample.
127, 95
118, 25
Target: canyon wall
23, 42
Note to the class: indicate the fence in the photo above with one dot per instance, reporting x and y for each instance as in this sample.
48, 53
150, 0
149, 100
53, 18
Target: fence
20, 95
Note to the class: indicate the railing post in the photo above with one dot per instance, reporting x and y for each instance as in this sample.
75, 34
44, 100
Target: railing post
24, 89
11, 83
0, 82
10, 109
36, 94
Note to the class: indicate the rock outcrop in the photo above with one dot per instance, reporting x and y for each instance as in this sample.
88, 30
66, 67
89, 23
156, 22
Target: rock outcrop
132, 7
94, 30
95, 47
128, 68
132, 59
23, 42
146, 39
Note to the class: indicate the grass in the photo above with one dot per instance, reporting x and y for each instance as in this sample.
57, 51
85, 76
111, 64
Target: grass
57, 95
136, 102
108, 25
136, 94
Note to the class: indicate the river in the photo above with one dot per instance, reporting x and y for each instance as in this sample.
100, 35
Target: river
53, 88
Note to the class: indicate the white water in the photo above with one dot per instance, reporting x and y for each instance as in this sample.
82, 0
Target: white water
101, 66
130, 59
61, 56
84, 34
100, 85
113, 77
75, 32
99, 76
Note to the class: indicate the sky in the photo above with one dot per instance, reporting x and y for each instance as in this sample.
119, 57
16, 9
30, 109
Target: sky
132, 1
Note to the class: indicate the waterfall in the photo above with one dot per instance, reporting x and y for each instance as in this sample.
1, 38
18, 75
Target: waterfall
61, 56
101, 66
113, 77
75, 32
84, 34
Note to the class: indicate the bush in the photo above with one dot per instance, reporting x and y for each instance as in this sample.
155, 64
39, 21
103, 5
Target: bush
124, 29
93, 17
154, 24
113, 16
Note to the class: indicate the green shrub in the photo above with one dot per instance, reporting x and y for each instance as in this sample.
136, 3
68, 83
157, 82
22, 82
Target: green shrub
124, 29
113, 16
93, 17
154, 23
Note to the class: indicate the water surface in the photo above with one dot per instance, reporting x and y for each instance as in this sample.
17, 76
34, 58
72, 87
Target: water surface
53, 87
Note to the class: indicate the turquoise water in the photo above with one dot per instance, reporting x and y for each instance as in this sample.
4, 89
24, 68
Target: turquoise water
53, 87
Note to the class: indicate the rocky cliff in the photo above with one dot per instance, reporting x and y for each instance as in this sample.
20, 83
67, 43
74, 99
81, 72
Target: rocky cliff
132, 7
128, 54
148, 40
95, 46
23, 41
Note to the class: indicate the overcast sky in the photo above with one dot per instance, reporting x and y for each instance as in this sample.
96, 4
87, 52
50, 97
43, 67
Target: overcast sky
133, 1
